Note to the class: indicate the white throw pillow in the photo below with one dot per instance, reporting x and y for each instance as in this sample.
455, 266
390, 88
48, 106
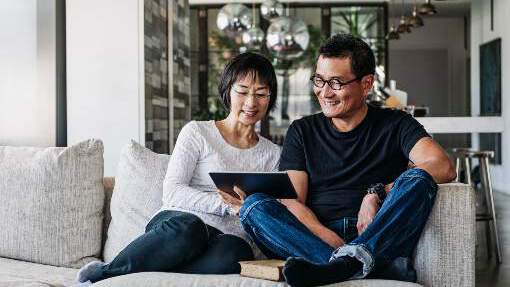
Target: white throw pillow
52, 200
137, 195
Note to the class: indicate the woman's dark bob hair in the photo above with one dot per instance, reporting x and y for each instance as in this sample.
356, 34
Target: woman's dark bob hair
248, 64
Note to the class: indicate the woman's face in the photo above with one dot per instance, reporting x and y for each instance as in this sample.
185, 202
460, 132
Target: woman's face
249, 100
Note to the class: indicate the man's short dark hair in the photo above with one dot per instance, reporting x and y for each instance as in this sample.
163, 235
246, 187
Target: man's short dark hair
245, 64
346, 45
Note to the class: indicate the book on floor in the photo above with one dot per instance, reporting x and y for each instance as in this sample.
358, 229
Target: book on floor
263, 269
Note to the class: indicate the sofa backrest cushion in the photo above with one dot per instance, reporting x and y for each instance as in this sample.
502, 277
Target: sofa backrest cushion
137, 196
51, 209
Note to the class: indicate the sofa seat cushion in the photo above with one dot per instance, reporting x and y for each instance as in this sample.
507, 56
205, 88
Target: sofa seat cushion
160, 279
26, 274
16, 273
375, 283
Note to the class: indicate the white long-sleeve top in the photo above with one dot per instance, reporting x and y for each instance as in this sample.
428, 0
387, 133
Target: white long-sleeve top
200, 149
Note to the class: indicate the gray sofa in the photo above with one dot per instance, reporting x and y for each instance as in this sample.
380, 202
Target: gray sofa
445, 255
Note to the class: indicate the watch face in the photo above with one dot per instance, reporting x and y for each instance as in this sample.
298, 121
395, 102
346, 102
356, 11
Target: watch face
381, 192
375, 187
378, 189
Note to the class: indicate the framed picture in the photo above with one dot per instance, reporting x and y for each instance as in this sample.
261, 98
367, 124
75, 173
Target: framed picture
490, 78
490, 94
492, 141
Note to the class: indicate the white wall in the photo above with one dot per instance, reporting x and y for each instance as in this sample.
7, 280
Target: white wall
481, 33
431, 65
27, 73
105, 87
438, 34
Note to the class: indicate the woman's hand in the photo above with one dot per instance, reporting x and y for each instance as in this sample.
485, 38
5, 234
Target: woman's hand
235, 202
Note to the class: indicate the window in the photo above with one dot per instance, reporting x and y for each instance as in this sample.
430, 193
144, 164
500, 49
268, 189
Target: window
210, 51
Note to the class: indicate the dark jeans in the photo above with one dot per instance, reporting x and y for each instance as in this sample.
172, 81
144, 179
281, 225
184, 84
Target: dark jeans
176, 241
384, 248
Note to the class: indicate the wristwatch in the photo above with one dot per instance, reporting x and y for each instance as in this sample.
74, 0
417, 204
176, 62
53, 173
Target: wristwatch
377, 188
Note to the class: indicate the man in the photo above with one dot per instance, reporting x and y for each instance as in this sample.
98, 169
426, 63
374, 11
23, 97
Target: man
359, 212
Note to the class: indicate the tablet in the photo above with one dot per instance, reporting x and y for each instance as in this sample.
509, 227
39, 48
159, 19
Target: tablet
275, 184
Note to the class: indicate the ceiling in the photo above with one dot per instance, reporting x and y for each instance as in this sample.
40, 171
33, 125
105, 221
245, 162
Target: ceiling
449, 8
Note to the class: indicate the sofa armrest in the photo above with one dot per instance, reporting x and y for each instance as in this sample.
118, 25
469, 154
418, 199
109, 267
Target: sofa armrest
109, 183
445, 254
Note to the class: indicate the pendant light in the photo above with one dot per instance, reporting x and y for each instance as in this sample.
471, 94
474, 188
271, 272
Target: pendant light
403, 26
427, 8
271, 9
233, 19
393, 34
287, 38
415, 20
253, 38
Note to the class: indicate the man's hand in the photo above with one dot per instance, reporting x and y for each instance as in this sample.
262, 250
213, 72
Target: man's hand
234, 202
306, 216
298, 208
368, 210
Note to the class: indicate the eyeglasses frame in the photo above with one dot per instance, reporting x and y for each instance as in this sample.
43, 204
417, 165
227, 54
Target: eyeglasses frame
329, 82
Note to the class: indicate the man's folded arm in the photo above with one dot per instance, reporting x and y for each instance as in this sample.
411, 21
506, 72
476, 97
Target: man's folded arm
298, 208
428, 155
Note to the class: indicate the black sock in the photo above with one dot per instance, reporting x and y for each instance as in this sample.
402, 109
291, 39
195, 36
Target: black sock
299, 272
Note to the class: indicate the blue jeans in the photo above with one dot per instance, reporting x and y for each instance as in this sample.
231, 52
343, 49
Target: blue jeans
181, 242
384, 248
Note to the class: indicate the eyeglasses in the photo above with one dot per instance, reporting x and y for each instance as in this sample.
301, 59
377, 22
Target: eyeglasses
257, 96
334, 83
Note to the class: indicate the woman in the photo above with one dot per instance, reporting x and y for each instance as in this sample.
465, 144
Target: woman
195, 231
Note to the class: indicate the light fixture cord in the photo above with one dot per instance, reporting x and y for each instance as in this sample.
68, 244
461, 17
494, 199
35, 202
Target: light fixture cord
254, 15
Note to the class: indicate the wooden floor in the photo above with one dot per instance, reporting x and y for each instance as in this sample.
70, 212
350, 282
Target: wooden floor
488, 273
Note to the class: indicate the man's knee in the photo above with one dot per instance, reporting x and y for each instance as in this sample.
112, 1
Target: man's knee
256, 199
416, 179
417, 174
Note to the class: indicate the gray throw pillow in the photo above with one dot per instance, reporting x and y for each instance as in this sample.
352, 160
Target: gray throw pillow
52, 201
137, 196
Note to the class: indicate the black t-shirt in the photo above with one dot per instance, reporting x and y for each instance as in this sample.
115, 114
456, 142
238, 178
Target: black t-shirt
341, 165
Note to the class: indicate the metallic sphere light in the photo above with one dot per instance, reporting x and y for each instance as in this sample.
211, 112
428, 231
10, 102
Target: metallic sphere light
287, 38
234, 19
253, 38
271, 9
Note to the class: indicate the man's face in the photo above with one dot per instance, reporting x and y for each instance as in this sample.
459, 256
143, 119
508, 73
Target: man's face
350, 98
